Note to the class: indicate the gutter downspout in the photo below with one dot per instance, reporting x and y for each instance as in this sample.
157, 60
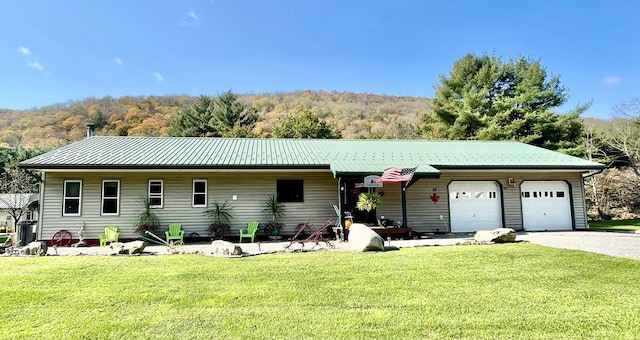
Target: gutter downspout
584, 199
598, 171
40, 209
594, 173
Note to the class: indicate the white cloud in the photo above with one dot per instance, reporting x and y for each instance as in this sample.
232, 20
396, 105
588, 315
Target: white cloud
24, 50
192, 18
612, 80
192, 14
159, 76
36, 65
118, 61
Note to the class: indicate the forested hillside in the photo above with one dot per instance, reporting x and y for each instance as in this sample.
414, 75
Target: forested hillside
353, 115
483, 97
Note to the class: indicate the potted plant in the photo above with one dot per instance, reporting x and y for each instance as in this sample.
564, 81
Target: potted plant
274, 210
147, 219
368, 201
220, 213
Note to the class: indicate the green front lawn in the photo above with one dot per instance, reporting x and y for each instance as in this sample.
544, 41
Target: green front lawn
499, 291
615, 225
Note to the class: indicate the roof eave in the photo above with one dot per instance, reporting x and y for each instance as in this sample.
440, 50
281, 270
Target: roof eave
520, 167
166, 167
364, 174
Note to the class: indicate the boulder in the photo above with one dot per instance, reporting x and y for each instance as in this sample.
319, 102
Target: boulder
38, 248
220, 247
133, 247
500, 235
363, 238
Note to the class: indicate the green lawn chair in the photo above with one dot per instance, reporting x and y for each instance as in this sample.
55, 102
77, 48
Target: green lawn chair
250, 232
175, 232
111, 234
5, 242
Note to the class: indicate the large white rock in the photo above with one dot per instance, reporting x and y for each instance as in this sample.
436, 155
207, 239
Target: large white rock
35, 248
220, 247
363, 238
133, 247
500, 235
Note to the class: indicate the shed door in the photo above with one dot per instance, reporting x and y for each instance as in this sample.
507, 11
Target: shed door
474, 205
546, 205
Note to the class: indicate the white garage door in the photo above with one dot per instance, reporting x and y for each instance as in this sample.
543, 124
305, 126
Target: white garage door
546, 205
474, 205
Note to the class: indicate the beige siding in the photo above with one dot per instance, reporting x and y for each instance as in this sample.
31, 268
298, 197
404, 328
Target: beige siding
578, 203
251, 189
424, 214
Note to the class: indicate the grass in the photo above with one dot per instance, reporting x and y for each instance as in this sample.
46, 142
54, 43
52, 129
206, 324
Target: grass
615, 225
500, 291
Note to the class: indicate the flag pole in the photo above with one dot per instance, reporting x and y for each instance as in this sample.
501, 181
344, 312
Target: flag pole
403, 188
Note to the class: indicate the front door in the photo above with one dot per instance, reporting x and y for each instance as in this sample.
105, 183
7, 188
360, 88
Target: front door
353, 190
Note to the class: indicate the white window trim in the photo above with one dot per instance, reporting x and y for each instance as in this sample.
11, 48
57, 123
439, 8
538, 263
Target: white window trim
193, 193
102, 213
161, 195
64, 197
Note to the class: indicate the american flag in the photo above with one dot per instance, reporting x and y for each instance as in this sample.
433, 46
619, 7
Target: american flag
392, 175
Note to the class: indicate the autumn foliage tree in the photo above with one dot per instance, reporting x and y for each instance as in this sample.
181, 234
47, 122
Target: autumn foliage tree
15, 183
304, 124
16, 186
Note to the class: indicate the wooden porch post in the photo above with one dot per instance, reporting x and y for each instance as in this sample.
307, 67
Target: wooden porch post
403, 187
339, 222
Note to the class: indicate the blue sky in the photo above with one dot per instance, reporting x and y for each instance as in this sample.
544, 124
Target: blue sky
55, 51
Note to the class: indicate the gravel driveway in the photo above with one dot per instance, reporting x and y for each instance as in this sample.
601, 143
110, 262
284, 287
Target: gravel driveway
625, 245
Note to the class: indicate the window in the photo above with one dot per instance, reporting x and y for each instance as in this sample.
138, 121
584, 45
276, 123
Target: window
155, 193
28, 215
199, 193
290, 190
110, 197
526, 194
479, 195
72, 198
559, 194
493, 194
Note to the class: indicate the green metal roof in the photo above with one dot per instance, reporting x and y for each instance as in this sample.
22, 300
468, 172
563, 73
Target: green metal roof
341, 156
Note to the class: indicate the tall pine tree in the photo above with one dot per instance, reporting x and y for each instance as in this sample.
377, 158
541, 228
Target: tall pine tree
232, 118
222, 116
485, 98
193, 120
